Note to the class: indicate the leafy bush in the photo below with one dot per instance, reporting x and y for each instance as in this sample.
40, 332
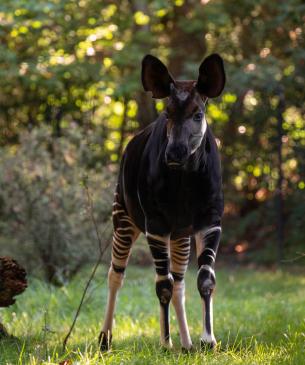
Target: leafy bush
43, 203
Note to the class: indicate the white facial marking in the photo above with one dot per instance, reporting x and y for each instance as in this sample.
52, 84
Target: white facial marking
201, 133
204, 125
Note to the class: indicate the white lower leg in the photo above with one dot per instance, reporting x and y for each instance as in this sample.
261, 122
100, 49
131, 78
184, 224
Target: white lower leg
179, 305
208, 333
115, 281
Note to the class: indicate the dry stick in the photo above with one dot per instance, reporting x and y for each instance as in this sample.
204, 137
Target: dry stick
102, 251
91, 211
301, 256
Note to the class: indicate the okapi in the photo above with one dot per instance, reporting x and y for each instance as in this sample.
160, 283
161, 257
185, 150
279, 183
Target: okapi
169, 187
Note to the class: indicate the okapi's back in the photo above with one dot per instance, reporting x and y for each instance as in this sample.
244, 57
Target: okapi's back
128, 176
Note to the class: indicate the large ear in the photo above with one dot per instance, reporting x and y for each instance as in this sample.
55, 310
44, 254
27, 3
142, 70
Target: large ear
212, 78
155, 77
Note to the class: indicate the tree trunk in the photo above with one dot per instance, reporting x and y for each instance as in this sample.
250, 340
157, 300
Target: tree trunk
184, 46
279, 191
146, 105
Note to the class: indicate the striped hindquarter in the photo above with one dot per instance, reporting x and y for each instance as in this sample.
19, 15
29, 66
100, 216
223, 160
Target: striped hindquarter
124, 235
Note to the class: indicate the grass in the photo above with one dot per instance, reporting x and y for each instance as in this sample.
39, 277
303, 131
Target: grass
259, 319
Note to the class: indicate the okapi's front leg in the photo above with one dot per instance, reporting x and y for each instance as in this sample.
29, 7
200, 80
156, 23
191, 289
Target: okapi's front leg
159, 246
179, 257
207, 243
125, 233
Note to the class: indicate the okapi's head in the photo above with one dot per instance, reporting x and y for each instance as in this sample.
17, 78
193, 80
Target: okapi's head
186, 123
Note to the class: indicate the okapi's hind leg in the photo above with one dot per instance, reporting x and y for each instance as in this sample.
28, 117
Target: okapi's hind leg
124, 235
179, 257
207, 243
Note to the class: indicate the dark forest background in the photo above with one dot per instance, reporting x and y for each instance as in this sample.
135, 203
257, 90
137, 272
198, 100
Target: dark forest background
71, 98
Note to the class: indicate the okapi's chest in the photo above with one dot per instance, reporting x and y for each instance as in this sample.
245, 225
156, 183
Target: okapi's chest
179, 198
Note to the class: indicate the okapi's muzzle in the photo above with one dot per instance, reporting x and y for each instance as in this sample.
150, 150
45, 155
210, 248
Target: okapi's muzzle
176, 155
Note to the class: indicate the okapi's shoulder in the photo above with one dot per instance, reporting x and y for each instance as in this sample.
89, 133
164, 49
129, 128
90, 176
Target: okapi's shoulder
145, 146
132, 158
129, 172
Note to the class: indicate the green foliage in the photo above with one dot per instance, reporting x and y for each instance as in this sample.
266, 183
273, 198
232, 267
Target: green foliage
79, 61
258, 320
45, 215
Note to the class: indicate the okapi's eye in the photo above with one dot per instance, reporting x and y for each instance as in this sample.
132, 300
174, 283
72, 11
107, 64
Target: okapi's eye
197, 117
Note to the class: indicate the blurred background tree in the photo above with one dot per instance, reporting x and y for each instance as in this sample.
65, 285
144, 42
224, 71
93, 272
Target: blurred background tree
70, 76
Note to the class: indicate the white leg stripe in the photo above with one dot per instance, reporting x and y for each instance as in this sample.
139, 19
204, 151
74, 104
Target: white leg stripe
156, 237
210, 230
124, 229
118, 211
207, 248
207, 268
126, 219
212, 257
164, 277
120, 235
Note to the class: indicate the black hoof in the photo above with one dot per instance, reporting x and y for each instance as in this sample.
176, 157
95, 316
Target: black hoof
104, 341
207, 346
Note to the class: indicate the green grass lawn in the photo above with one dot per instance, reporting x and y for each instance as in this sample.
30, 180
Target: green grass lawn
259, 319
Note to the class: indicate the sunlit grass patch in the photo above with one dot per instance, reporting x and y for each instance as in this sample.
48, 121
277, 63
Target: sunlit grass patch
259, 319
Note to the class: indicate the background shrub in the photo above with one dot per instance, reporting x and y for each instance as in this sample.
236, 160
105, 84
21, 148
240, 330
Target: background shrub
43, 202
